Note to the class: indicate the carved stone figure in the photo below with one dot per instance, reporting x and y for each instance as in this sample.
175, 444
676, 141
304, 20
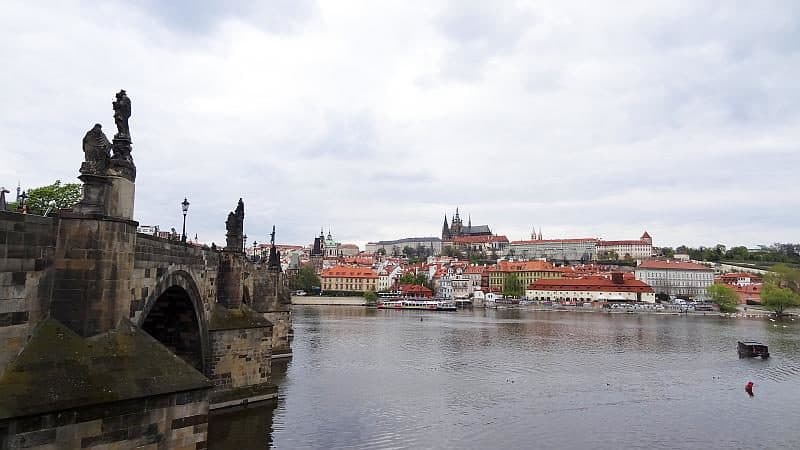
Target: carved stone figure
235, 229
96, 151
121, 163
122, 112
3, 202
274, 260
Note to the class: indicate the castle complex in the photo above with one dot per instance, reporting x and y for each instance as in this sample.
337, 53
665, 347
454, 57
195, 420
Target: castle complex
457, 228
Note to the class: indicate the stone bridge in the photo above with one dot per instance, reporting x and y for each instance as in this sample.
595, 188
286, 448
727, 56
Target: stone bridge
109, 337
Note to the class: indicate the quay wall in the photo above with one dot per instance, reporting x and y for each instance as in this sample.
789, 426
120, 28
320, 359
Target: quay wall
322, 300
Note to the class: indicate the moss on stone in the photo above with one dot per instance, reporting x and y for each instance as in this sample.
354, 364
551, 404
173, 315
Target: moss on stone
59, 369
223, 318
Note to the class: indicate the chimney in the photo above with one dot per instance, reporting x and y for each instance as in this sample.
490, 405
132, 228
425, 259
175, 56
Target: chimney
616, 278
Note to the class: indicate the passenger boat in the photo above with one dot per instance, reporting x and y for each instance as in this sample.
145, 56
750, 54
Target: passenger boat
751, 349
417, 303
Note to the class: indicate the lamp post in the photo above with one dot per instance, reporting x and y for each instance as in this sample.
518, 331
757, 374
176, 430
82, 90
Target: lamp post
254, 249
185, 208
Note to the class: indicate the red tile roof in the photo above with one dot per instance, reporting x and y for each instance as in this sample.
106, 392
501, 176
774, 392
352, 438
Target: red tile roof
589, 284
557, 241
524, 266
672, 264
415, 290
602, 243
479, 239
349, 272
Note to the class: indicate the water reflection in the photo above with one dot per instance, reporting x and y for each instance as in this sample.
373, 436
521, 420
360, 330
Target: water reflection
515, 379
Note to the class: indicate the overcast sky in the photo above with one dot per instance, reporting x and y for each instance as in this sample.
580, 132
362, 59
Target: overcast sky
376, 118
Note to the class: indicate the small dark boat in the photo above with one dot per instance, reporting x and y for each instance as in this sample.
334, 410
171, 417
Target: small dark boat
752, 349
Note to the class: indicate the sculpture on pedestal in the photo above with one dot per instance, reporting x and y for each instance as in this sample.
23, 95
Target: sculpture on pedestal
108, 180
274, 261
96, 151
235, 229
122, 162
122, 112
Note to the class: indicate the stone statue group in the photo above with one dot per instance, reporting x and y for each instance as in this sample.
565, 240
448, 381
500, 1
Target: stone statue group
97, 148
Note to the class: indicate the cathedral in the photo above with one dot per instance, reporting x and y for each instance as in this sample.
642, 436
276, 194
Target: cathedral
457, 228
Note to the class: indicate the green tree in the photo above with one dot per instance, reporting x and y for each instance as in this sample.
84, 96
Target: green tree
409, 252
668, 252
371, 297
781, 289
724, 296
306, 279
382, 251
56, 195
512, 287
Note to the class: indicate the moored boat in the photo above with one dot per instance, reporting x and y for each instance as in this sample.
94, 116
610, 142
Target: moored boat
425, 304
752, 349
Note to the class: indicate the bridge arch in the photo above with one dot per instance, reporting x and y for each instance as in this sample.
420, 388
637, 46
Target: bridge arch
174, 315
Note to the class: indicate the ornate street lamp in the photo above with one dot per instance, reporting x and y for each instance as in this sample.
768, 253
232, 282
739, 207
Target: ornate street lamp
185, 208
254, 249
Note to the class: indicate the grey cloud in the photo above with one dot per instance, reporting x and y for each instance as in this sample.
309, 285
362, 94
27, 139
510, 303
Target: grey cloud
201, 16
343, 136
478, 31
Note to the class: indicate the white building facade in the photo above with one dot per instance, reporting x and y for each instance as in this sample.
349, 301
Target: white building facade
676, 278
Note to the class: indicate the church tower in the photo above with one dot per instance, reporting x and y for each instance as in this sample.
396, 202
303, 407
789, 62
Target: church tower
446, 230
456, 225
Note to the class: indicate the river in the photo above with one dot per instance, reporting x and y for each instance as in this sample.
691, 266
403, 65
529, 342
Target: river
375, 379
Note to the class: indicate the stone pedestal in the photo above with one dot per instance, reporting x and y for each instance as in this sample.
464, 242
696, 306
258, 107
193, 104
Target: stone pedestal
94, 194
229, 279
119, 198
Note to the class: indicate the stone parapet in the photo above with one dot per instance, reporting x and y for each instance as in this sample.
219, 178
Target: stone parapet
27, 245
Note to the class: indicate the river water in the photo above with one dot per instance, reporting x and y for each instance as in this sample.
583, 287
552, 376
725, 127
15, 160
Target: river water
375, 379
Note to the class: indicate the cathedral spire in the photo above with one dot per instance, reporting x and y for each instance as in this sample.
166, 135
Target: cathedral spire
445, 229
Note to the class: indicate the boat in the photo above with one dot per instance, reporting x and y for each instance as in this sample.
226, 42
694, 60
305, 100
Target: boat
752, 349
425, 304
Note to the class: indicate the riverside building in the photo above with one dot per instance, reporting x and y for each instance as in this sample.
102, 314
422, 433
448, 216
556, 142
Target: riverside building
676, 278
346, 278
594, 289
527, 272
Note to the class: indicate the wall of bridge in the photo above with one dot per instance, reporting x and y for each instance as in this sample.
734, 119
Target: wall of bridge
27, 246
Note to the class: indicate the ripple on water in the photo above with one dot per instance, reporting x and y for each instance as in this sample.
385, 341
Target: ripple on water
515, 379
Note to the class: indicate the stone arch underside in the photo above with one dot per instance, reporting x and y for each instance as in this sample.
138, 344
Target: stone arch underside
173, 315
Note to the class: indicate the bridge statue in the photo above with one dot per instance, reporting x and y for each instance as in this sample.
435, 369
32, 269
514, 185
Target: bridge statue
235, 229
96, 151
122, 112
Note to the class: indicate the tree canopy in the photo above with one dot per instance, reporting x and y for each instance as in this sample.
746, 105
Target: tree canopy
781, 289
512, 286
61, 195
775, 253
724, 296
306, 279
410, 278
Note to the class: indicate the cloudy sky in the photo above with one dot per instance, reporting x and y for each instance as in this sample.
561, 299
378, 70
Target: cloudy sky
376, 118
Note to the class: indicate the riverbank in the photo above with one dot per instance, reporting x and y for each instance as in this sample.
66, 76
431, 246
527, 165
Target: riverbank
321, 300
